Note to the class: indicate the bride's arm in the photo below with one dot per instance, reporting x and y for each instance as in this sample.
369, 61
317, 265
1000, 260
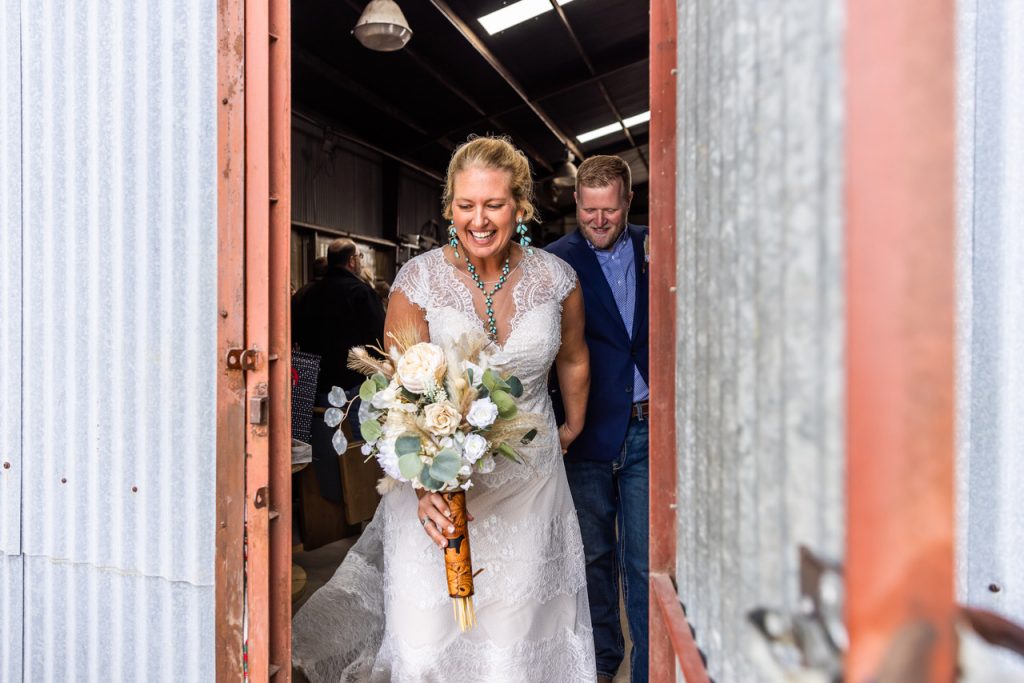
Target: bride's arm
403, 313
573, 367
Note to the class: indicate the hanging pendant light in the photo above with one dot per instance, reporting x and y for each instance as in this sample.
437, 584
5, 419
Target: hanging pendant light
565, 173
382, 26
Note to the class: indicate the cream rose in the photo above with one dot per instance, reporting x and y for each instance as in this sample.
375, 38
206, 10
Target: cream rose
422, 365
441, 419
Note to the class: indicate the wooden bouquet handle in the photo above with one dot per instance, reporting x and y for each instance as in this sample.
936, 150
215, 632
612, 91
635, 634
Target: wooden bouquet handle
458, 563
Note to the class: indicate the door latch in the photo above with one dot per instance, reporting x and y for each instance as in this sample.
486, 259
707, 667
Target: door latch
259, 409
244, 359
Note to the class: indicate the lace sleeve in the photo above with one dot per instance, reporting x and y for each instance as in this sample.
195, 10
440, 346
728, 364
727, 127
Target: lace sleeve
414, 282
563, 278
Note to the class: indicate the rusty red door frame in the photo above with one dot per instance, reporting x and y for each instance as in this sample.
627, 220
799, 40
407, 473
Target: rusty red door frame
670, 637
280, 153
254, 437
228, 565
900, 69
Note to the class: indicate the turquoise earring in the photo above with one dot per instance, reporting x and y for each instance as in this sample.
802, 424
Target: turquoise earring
453, 239
524, 238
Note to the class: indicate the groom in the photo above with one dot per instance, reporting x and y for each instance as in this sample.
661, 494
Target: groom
607, 463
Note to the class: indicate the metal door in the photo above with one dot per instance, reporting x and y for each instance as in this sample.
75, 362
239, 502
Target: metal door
254, 397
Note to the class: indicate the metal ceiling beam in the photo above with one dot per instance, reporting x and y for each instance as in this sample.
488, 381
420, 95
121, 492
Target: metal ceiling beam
429, 68
461, 94
489, 57
553, 93
600, 83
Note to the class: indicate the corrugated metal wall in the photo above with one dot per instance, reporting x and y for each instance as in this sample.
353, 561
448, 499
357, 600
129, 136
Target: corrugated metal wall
11, 563
419, 201
340, 189
760, 312
991, 305
118, 322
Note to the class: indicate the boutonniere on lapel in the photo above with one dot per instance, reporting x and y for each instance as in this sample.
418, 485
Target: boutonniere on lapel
647, 251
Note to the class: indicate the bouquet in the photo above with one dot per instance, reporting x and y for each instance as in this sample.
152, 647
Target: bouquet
434, 417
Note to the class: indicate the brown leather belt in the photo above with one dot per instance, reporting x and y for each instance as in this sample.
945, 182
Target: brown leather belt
640, 410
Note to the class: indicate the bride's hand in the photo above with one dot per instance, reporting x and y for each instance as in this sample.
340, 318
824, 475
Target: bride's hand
566, 435
435, 517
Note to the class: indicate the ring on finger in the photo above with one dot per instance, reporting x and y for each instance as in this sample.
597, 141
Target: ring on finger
423, 522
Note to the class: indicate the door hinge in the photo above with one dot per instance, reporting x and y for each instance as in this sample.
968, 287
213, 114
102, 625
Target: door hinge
244, 359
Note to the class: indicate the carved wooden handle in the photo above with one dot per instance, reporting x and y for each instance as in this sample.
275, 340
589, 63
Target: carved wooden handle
457, 562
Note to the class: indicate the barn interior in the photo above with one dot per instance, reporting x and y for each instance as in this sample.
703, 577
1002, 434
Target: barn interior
373, 130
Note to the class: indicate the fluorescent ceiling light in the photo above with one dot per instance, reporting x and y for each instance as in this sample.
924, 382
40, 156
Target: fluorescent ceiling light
614, 127
516, 13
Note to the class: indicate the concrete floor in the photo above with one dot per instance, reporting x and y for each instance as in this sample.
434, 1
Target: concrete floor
319, 566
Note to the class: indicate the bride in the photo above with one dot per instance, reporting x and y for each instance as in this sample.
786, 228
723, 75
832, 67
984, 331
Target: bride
386, 614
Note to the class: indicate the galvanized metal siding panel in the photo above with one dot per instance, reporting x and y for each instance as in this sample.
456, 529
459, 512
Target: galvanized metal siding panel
11, 617
339, 189
98, 624
419, 201
760, 311
991, 317
119, 333
10, 278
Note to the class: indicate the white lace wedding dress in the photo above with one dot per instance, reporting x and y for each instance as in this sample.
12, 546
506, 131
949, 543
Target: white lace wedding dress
386, 614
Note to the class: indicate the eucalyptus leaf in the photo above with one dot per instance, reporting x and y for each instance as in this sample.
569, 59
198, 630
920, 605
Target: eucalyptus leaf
380, 380
469, 375
337, 397
370, 430
506, 404
410, 465
339, 442
493, 380
429, 483
407, 444
446, 465
515, 387
482, 392
367, 389
409, 396
528, 437
509, 452
332, 416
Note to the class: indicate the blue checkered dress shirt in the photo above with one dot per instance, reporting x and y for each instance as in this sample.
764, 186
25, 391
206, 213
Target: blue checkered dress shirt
619, 267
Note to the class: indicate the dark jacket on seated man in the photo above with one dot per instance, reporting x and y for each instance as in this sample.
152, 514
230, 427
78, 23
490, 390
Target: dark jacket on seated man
336, 313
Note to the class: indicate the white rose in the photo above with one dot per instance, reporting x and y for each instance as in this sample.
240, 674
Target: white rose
485, 464
422, 365
441, 419
474, 448
482, 413
388, 459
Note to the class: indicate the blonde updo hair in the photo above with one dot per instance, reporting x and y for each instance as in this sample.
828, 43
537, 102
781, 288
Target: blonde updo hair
499, 154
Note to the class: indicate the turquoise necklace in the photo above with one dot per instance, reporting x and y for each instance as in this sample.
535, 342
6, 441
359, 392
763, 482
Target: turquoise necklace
492, 325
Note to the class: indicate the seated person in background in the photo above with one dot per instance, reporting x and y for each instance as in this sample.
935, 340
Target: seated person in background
336, 313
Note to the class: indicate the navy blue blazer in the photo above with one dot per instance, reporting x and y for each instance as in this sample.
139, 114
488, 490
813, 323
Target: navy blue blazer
613, 351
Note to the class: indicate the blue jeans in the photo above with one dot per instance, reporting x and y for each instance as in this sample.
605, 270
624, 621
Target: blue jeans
609, 497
